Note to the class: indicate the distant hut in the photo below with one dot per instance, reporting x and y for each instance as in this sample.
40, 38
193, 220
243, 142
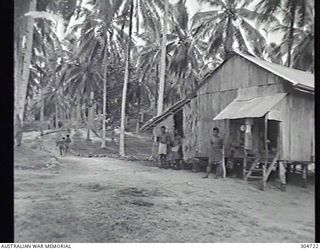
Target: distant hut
264, 110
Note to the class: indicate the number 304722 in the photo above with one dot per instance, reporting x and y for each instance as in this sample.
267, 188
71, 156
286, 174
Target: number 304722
309, 245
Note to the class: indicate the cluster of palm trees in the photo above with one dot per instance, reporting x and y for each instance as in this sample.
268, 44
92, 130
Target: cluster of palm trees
70, 55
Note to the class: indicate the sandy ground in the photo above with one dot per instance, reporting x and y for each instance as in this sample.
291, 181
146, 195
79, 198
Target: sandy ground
110, 200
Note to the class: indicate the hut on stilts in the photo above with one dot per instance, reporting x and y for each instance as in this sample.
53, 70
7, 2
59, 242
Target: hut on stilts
264, 111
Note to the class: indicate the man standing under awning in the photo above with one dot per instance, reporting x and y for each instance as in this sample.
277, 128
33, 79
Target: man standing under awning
216, 157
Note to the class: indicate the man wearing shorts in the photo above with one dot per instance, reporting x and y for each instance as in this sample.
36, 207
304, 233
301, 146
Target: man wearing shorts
61, 144
164, 141
215, 154
176, 150
68, 142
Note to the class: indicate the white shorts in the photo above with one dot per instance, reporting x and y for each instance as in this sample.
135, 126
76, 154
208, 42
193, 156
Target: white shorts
162, 149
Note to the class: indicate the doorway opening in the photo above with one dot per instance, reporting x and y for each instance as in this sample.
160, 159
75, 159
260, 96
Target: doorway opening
273, 135
178, 121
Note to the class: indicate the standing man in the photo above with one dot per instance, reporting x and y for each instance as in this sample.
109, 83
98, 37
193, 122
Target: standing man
61, 144
176, 150
164, 141
216, 154
68, 142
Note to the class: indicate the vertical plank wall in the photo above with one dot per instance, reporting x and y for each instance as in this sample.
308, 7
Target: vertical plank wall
219, 90
301, 120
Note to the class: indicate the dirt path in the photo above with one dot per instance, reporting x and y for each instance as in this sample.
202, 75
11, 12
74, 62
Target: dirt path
108, 200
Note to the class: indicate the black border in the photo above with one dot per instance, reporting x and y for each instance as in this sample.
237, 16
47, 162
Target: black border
6, 123
317, 119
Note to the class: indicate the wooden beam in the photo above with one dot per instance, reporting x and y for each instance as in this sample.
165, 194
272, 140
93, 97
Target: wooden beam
225, 145
282, 174
271, 167
267, 151
252, 167
304, 174
244, 163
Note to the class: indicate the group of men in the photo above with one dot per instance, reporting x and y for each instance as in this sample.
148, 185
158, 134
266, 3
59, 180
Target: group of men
170, 149
173, 147
64, 145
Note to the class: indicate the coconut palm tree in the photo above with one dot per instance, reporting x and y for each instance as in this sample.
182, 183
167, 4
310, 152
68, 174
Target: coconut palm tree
147, 10
23, 32
303, 52
163, 58
101, 41
293, 14
273, 53
81, 79
111, 38
148, 61
187, 52
227, 26
125, 86
49, 54
298, 41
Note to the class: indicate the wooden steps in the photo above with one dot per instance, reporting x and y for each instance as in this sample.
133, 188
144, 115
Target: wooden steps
260, 168
255, 177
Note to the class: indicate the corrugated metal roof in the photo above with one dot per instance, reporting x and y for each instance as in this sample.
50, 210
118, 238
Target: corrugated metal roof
298, 78
301, 80
250, 107
174, 108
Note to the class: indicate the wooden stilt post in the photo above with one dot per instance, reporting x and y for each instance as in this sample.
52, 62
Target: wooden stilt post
294, 169
244, 164
304, 168
282, 175
264, 167
138, 127
247, 143
225, 142
155, 144
224, 170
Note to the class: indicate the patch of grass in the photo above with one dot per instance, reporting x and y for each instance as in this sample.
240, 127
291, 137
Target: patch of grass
137, 146
27, 156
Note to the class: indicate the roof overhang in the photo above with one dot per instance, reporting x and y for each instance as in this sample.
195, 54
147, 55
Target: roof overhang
172, 110
250, 107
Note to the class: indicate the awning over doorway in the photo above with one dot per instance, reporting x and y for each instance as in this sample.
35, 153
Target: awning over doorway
250, 107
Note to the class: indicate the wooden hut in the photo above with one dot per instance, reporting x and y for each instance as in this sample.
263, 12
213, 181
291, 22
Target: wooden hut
264, 111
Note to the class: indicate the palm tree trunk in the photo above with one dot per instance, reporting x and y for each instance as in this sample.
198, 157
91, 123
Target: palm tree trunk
84, 115
229, 37
90, 116
291, 37
157, 88
78, 115
56, 114
163, 60
41, 110
139, 108
104, 108
61, 114
22, 61
124, 90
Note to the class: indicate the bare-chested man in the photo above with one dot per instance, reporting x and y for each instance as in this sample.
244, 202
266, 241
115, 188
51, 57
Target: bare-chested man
164, 141
177, 150
216, 154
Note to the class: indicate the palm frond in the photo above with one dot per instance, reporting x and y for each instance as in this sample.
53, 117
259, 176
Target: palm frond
253, 37
215, 3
